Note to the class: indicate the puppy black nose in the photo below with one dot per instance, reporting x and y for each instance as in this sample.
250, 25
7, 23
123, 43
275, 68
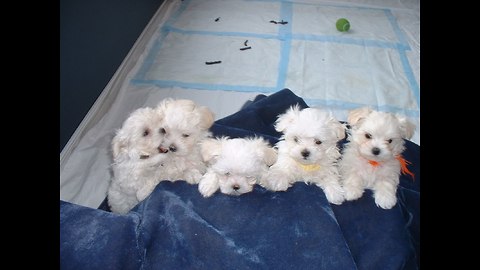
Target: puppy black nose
173, 148
236, 187
375, 151
305, 153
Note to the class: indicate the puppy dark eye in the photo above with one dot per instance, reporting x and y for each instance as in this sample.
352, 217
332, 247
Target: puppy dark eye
368, 136
318, 142
162, 131
185, 135
146, 132
389, 140
295, 139
227, 174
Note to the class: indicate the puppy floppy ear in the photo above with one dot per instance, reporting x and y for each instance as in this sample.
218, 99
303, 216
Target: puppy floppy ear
210, 149
162, 105
407, 128
207, 117
286, 119
119, 145
338, 128
357, 114
270, 156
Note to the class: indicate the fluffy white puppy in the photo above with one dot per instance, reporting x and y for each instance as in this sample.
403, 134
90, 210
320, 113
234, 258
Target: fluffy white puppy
184, 126
137, 158
307, 152
234, 165
372, 157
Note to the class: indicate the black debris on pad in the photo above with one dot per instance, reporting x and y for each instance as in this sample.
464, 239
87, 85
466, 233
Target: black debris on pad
213, 62
281, 22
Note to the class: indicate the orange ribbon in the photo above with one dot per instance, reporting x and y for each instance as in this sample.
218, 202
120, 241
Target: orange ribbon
403, 164
374, 163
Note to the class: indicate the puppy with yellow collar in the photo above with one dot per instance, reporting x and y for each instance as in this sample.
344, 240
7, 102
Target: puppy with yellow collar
307, 152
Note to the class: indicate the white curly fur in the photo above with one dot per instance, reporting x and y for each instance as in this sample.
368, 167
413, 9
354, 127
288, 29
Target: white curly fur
137, 159
157, 144
370, 158
307, 152
185, 125
234, 165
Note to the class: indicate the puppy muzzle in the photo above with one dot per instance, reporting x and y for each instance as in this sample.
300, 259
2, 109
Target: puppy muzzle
162, 150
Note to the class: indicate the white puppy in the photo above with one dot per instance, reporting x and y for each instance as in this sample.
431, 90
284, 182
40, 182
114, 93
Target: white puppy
372, 157
185, 125
235, 165
137, 156
307, 152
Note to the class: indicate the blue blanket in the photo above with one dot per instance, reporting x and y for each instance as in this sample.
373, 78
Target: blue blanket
176, 228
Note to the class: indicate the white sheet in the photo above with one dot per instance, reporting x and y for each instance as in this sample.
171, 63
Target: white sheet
374, 64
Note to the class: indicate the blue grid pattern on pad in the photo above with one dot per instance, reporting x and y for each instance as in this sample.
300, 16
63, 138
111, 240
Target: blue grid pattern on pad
307, 23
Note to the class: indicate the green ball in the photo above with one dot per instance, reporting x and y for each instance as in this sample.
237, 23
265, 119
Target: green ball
343, 25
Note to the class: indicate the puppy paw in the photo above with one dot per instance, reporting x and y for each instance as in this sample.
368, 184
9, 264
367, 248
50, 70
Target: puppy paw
193, 177
280, 185
277, 184
334, 195
352, 192
276, 181
206, 189
144, 192
385, 200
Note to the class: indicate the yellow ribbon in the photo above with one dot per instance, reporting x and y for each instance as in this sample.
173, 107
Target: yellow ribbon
309, 168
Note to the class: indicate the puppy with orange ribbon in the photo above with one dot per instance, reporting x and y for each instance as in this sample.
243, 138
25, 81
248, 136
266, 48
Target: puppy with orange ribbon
372, 157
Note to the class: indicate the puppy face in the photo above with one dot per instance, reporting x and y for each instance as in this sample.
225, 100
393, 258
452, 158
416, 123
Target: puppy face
308, 133
379, 135
140, 137
238, 163
184, 124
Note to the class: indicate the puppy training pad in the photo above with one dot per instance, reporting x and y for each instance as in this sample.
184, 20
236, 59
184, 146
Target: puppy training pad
294, 45
367, 24
227, 17
182, 59
359, 76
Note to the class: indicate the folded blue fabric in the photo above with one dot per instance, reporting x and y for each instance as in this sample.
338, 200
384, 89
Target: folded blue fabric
176, 228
